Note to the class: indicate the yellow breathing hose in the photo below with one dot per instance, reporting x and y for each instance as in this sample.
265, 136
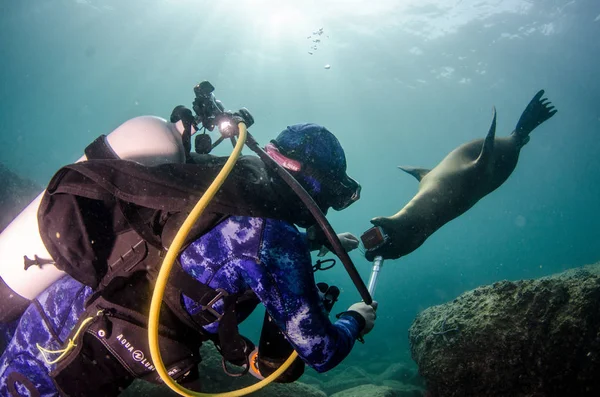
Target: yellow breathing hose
163, 277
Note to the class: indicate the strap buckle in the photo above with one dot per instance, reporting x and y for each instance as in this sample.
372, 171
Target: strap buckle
221, 293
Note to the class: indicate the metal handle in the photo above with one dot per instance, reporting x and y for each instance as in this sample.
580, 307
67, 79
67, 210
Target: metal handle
377, 265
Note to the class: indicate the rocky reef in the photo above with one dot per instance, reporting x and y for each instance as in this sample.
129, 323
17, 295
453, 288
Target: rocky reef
526, 338
15, 194
387, 380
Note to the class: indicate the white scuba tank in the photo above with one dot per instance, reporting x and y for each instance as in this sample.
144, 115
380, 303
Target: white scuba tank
148, 140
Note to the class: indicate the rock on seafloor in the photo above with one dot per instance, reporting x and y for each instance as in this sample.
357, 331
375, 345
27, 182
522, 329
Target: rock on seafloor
536, 337
376, 391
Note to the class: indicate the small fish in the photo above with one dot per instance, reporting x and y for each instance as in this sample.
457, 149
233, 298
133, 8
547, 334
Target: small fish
310, 53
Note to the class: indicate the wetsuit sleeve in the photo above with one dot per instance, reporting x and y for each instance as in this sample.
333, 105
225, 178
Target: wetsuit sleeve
283, 280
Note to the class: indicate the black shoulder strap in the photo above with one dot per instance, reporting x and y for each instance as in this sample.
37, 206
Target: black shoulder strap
233, 347
100, 150
181, 282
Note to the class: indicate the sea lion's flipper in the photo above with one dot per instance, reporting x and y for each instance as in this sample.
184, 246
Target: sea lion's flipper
488, 143
538, 111
418, 173
391, 248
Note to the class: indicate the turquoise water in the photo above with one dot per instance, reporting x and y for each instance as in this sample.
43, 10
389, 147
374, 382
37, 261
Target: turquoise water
408, 82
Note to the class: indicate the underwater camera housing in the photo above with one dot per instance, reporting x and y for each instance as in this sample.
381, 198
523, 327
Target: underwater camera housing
206, 106
373, 238
211, 112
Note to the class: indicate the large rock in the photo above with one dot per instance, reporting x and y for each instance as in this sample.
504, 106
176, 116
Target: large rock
345, 377
525, 338
398, 376
374, 391
400, 372
15, 194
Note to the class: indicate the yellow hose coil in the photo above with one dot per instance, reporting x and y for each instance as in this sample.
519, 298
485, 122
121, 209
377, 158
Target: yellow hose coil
163, 276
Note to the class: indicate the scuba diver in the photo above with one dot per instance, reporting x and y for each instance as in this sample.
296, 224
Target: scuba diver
81, 338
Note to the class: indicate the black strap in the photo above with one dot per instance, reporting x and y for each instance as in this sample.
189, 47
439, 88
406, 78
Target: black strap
13, 304
233, 346
182, 283
100, 149
139, 219
199, 292
16, 377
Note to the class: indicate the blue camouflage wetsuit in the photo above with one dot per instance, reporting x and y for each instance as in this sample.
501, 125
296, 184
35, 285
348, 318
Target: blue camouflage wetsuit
269, 256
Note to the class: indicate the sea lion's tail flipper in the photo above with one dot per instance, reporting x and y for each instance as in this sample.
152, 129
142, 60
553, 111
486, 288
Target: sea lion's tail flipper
539, 110
488, 143
418, 173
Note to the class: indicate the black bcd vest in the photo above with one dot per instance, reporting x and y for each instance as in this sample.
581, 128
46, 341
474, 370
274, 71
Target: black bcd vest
107, 223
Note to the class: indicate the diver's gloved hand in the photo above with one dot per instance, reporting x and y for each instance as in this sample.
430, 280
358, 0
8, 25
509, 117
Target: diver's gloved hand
348, 240
368, 312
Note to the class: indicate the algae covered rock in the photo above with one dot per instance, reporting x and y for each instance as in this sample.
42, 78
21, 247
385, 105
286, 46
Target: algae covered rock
398, 376
347, 377
400, 372
289, 389
525, 338
371, 391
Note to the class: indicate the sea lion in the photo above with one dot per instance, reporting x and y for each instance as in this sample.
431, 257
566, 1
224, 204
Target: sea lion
464, 177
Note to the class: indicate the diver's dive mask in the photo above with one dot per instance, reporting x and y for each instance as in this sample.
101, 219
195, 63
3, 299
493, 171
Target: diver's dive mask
346, 193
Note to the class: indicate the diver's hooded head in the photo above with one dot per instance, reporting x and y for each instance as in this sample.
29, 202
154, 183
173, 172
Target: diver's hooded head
314, 156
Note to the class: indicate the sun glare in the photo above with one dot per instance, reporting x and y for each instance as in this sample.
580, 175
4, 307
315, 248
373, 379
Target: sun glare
277, 17
281, 17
